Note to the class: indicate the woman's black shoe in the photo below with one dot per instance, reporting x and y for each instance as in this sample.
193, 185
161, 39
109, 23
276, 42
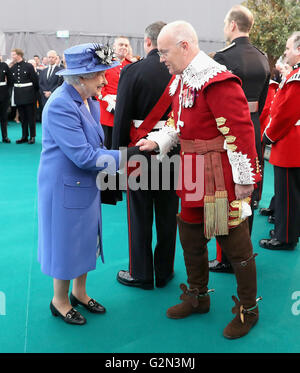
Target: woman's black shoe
72, 317
92, 306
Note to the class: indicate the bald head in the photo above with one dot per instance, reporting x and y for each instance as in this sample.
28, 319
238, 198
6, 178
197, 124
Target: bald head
177, 45
180, 31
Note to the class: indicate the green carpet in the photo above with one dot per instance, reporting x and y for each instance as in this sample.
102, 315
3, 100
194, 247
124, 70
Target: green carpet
136, 319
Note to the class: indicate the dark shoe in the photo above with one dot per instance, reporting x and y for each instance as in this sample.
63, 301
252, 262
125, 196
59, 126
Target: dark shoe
6, 140
31, 140
92, 306
255, 205
272, 233
271, 219
72, 317
266, 211
216, 266
192, 302
274, 244
160, 283
243, 322
125, 278
22, 140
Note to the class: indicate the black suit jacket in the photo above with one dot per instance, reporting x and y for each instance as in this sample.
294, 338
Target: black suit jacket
140, 86
250, 65
49, 84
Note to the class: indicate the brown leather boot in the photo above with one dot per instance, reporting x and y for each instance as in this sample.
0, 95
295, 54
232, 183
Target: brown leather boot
194, 244
193, 302
244, 320
238, 248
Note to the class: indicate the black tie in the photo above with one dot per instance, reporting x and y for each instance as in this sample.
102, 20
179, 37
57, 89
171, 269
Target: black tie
50, 72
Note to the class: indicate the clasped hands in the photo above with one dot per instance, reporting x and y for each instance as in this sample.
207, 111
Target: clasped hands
241, 191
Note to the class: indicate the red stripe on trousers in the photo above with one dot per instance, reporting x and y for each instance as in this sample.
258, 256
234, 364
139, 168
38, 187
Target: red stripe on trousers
129, 228
287, 205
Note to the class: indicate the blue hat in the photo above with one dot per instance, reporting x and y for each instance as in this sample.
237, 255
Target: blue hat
88, 58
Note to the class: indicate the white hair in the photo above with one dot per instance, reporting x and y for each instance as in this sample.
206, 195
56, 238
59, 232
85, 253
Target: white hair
75, 79
52, 51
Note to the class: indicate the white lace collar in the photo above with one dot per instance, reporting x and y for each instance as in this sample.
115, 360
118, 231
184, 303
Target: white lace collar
198, 72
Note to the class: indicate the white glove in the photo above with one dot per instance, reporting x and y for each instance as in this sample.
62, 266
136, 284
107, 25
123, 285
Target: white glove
111, 100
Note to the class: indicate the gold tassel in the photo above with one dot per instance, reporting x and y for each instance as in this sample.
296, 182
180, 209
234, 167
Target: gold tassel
221, 213
209, 216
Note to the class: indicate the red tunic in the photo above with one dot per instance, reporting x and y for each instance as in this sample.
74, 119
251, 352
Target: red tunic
284, 127
220, 108
265, 114
112, 77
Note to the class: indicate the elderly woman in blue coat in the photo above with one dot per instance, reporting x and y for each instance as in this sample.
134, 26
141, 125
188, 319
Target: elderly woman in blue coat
68, 198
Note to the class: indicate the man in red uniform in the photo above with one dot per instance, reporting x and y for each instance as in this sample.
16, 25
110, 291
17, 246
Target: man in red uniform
283, 132
212, 122
109, 92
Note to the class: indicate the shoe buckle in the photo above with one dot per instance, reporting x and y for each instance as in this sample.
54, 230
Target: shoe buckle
207, 293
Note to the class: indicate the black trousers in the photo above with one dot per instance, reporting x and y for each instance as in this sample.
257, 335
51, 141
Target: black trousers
27, 115
108, 136
4, 105
287, 203
141, 206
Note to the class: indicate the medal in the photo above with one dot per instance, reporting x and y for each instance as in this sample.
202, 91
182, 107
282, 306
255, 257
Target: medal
188, 98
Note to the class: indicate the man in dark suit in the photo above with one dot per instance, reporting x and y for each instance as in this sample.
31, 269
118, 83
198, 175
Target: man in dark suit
26, 86
141, 85
48, 80
251, 66
6, 81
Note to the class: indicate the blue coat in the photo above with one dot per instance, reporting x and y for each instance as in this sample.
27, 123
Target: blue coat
69, 206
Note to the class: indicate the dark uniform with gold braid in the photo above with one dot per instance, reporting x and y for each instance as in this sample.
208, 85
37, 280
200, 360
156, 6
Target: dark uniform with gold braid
251, 66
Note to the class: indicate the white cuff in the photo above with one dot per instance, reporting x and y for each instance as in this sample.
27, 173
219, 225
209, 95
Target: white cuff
166, 138
242, 171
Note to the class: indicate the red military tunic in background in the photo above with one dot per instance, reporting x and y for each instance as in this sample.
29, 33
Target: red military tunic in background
284, 127
112, 76
265, 114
